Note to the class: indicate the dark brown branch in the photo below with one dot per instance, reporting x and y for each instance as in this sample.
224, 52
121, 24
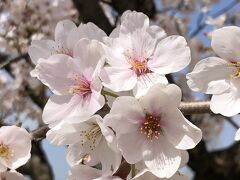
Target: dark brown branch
39, 133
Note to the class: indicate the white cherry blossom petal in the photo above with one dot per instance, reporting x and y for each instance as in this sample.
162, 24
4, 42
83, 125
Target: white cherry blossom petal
89, 52
128, 17
171, 55
161, 97
61, 107
210, 75
147, 175
83, 172
11, 175
227, 103
146, 82
56, 72
89, 30
118, 79
130, 145
41, 49
226, 43
179, 131
62, 31
163, 159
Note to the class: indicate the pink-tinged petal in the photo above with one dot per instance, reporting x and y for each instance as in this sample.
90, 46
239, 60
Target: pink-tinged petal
115, 51
118, 79
89, 31
171, 55
85, 172
142, 44
41, 49
114, 121
163, 160
11, 175
125, 115
78, 151
179, 131
3, 167
130, 145
226, 43
110, 159
156, 32
210, 75
115, 32
60, 107
56, 72
129, 107
89, 53
145, 82
128, 17
161, 97
147, 175
62, 134
62, 31
228, 103
237, 135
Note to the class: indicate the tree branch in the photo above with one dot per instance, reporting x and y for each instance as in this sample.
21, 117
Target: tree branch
187, 108
197, 107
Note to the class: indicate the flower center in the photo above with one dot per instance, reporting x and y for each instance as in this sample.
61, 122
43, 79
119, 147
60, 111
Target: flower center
138, 61
81, 86
139, 67
5, 151
236, 71
151, 126
59, 49
91, 136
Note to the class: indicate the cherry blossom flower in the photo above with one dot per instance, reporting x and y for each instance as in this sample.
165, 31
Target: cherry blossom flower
74, 82
67, 34
15, 147
89, 143
220, 76
82, 172
139, 55
153, 129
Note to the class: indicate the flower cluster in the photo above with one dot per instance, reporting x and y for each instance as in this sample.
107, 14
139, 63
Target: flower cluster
83, 67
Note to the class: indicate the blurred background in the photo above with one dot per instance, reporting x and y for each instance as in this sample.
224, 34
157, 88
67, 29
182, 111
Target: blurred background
22, 97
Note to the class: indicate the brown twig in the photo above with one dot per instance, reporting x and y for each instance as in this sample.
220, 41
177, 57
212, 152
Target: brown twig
39, 133
197, 107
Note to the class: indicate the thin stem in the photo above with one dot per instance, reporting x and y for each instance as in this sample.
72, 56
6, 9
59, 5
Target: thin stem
133, 170
104, 92
21, 56
235, 125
